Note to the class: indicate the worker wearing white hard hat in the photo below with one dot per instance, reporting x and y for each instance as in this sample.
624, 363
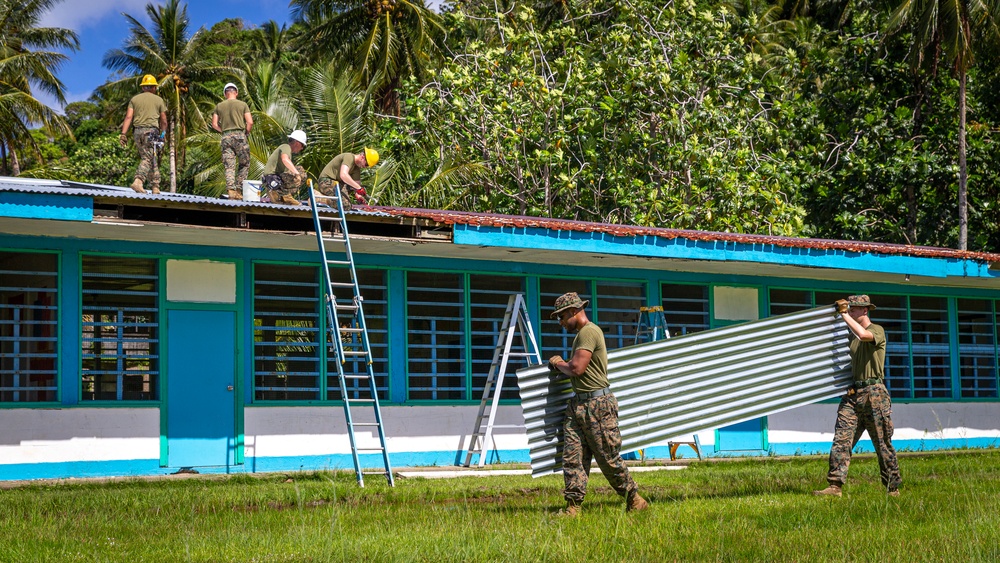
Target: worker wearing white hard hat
232, 118
282, 178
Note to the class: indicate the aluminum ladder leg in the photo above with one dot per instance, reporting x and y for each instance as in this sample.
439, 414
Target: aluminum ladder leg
347, 337
652, 323
515, 319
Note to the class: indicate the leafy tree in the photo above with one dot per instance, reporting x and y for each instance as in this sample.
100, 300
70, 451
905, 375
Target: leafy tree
381, 41
26, 64
946, 31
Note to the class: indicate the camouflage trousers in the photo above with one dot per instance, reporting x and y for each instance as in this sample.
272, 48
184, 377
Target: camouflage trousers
147, 172
328, 187
591, 430
290, 183
235, 158
868, 409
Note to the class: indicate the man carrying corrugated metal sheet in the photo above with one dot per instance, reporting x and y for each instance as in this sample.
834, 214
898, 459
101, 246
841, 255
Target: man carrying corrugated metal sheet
866, 406
591, 426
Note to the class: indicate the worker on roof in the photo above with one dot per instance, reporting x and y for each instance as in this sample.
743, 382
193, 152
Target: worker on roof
590, 430
148, 113
343, 173
281, 177
232, 118
866, 405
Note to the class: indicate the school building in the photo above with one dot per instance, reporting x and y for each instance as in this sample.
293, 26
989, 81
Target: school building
146, 334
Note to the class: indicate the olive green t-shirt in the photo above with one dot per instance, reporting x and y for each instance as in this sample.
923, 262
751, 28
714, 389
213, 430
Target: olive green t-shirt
274, 164
232, 114
146, 109
332, 169
595, 377
868, 358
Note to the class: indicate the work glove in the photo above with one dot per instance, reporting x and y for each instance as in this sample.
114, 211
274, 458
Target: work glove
361, 196
842, 306
163, 135
553, 370
123, 140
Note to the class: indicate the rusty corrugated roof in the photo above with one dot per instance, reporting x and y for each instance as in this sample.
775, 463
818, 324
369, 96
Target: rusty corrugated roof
521, 221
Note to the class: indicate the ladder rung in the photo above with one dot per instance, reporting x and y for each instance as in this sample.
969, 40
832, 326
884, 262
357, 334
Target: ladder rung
352, 376
341, 284
346, 307
338, 262
365, 424
370, 449
369, 401
355, 353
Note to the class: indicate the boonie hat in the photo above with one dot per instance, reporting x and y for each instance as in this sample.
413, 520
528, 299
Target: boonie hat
860, 301
567, 301
228, 86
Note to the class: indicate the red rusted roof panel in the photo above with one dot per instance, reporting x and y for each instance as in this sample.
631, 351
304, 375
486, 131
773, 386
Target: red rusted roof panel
520, 221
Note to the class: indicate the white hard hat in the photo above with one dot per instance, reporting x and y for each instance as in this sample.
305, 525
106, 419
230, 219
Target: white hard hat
298, 135
228, 86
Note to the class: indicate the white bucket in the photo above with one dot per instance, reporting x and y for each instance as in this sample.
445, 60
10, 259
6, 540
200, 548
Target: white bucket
251, 190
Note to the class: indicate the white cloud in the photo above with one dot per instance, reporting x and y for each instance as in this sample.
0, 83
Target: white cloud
77, 14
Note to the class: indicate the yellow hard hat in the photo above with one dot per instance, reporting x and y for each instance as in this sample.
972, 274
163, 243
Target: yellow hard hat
371, 156
149, 80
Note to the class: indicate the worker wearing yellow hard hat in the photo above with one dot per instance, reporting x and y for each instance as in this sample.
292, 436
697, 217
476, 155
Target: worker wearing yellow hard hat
148, 113
343, 175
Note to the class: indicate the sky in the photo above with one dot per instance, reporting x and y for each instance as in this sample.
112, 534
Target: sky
101, 27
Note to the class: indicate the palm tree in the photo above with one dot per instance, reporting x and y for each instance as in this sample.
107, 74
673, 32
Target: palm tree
944, 31
22, 67
384, 41
171, 53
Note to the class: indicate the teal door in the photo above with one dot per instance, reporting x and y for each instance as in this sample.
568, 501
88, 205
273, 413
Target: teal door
200, 379
749, 436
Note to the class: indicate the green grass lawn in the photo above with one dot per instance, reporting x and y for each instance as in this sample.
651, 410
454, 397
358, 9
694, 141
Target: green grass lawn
746, 510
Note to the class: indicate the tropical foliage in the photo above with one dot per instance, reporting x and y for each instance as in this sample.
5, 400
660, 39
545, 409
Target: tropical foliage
855, 120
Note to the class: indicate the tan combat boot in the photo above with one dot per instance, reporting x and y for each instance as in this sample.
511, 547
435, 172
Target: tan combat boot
571, 510
832, 491
137, 186
636, 503
894, 492
235, 194
156, 190
287, 199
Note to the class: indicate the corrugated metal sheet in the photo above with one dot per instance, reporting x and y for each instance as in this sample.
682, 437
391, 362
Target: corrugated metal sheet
700, 381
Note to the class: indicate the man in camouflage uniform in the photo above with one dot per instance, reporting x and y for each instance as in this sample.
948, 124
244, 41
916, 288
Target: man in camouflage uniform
343, 172
281, 177
232, 118
591, 425
866, 406
149, 114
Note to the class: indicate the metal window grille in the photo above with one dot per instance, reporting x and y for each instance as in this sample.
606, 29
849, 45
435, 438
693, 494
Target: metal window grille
782, 301
554, 340
616, 311
488, 296
28, 335
435, 335
120, 356
931, 350
977, 348
685, 307
286, 333
373, 289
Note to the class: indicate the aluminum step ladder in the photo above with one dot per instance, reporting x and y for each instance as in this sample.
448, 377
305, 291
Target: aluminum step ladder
652, 323
515, 320
347, 337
